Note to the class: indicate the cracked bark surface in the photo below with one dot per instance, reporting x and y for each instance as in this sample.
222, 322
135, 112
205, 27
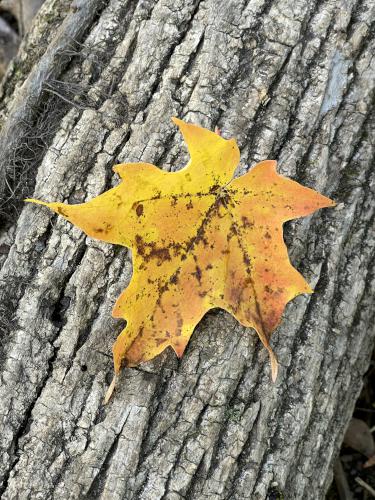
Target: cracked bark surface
96, 83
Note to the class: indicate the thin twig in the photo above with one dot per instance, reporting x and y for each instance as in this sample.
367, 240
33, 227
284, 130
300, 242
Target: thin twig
341, 481
366, 486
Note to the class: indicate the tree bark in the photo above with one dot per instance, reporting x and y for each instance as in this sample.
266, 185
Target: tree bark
95, 83
23, 11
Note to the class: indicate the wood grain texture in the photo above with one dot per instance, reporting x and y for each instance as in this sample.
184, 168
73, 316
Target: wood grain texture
292, 81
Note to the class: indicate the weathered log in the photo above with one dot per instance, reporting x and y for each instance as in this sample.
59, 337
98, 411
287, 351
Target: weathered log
8, 46
95, 83
23, 12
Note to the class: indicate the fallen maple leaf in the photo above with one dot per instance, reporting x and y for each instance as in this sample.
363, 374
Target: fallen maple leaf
200, 239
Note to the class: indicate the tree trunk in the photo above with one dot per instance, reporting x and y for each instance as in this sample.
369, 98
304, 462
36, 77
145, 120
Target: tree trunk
95, 83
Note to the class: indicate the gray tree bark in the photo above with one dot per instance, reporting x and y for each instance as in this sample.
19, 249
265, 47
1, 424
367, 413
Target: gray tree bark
95, 83
23, 11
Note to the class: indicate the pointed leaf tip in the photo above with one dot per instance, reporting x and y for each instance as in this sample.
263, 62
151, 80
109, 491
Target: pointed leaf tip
176, 120
274, 366
37, 202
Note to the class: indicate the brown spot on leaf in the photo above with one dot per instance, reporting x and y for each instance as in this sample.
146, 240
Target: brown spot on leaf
62, 212
119, 200
246, 260
105, 229
235, 294
140, 244
198, 273
139, 209
214, 188
189, 205
150, 251
179, 325
246, 223
174, 279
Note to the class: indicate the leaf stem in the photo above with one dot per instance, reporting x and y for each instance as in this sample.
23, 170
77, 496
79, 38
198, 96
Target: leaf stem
110, 390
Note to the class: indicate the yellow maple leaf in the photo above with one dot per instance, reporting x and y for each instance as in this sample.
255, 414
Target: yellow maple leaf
200, 239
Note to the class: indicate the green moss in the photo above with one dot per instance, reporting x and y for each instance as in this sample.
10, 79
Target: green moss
234, 414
